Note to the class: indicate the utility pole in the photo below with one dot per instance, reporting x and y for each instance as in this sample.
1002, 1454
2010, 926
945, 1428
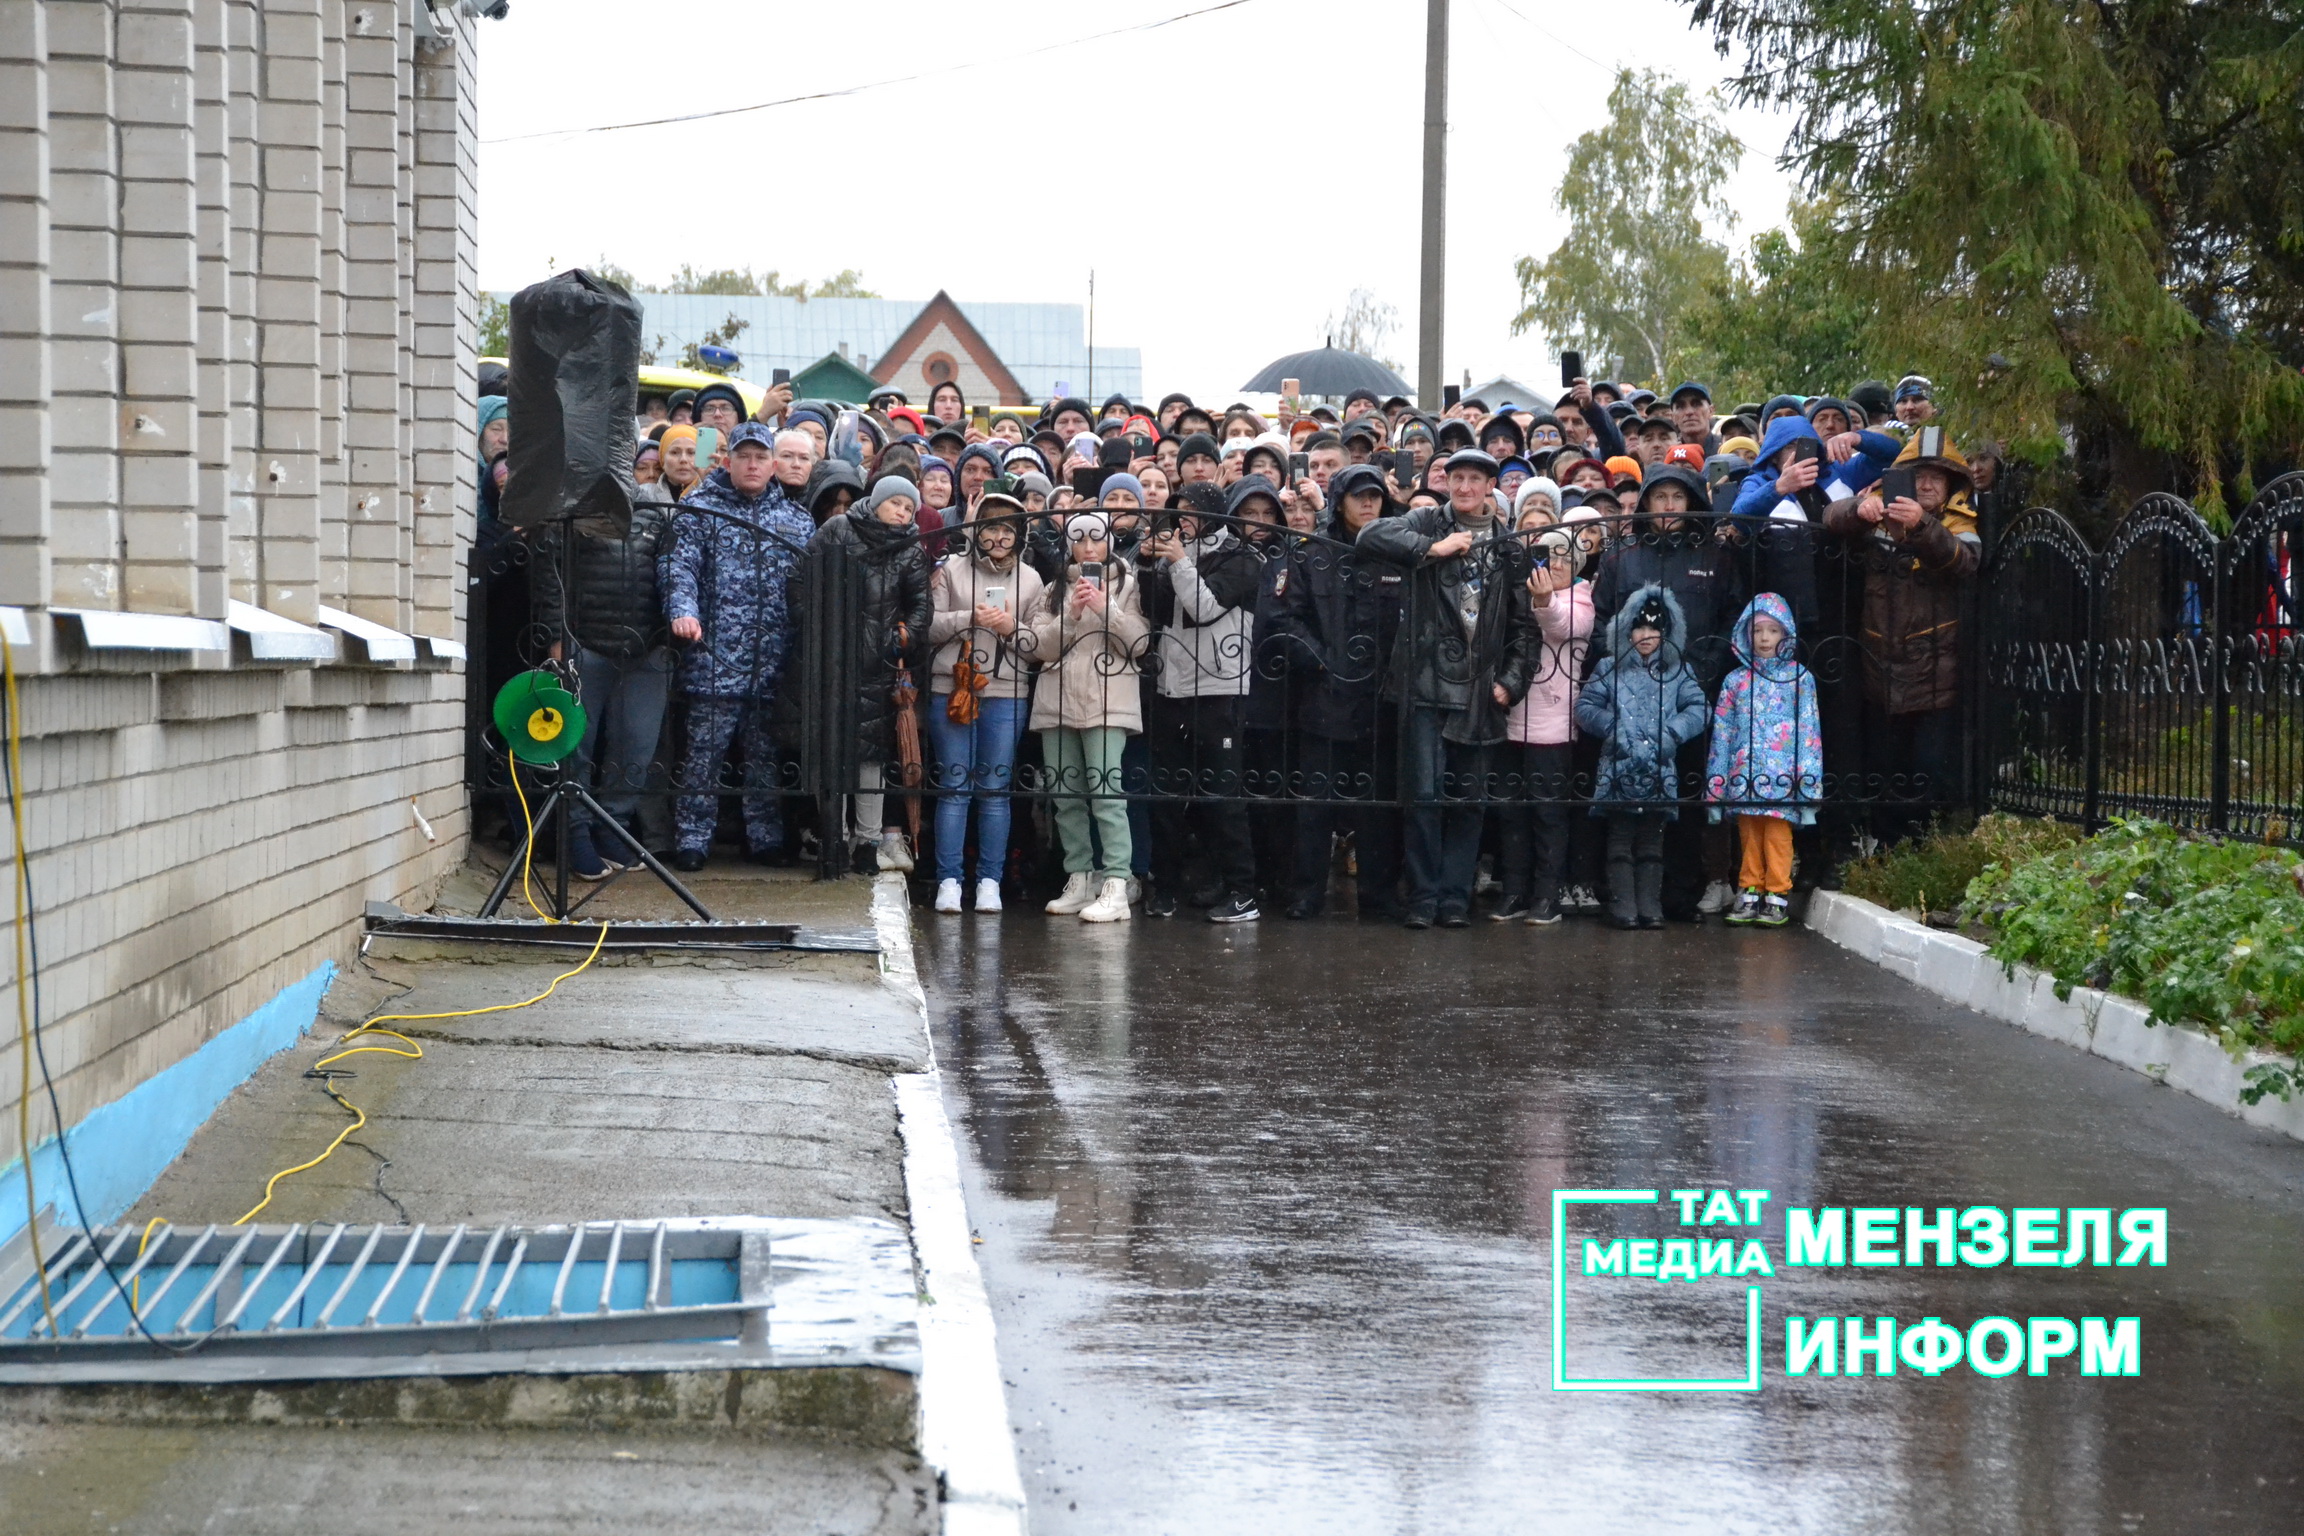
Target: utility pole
1431, 301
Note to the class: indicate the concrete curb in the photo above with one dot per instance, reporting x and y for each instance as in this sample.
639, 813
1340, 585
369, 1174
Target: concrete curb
964, 1431
2119, 1029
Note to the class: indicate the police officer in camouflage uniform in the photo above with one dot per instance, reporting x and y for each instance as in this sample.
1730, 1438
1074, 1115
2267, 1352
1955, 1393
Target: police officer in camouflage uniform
725, 593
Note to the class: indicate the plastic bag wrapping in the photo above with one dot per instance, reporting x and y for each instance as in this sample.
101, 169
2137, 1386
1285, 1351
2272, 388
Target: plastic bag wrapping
574, 391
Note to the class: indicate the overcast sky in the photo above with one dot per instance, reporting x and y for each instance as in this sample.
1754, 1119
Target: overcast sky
1196, 168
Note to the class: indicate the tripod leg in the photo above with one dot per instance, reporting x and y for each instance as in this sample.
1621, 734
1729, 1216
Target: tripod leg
655, 866
521, 854
562, 831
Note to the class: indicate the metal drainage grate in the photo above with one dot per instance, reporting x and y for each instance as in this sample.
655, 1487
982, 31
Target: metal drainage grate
306, 1293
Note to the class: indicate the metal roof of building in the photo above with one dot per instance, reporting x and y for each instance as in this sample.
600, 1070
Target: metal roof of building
1503, 387
1042, 344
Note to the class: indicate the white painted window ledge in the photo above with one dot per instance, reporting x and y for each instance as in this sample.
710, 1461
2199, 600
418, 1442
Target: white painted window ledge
103, 629
374, 640
273, 638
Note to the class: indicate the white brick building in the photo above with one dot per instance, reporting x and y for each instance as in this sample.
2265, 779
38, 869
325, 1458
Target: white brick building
236, 486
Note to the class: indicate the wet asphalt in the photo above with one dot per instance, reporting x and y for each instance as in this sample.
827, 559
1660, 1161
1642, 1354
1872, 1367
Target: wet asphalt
1265, 1213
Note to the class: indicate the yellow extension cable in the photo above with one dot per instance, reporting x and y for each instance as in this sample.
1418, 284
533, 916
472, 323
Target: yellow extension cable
20, 886
415, 1052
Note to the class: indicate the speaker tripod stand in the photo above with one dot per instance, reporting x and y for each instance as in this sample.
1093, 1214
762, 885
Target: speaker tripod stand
565, 798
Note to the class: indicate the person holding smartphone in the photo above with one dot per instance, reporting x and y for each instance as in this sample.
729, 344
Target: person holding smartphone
980, 691
1919, 551
1540, 775
1333, 625
1089, 635
1201, 577
1462, 662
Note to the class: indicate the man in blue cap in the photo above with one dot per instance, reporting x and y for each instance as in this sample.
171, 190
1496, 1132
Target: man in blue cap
724, 579
1692, 414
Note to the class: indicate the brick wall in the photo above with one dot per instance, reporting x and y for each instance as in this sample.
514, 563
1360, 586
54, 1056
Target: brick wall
236, 321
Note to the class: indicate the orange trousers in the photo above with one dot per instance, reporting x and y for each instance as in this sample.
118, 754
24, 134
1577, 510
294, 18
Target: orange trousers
1767, 844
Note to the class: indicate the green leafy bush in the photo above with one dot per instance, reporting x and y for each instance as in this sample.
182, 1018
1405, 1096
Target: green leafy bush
1932, 873
2201, 931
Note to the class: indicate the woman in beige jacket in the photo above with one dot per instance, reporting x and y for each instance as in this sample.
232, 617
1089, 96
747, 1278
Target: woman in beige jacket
981, 690
1089, 638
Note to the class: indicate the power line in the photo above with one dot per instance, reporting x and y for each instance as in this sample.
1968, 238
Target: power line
874, 85
1531, 21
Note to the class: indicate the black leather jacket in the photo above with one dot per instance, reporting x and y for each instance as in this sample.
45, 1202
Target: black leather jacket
616, 608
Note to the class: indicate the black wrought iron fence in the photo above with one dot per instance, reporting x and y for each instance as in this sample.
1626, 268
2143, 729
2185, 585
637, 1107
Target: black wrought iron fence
1263, 664
2159, 677
1231, 677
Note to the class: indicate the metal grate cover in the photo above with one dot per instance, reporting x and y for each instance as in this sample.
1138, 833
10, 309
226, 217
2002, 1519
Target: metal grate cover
331, 1300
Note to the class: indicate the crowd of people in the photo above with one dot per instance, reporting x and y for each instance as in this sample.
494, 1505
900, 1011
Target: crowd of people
1563, 655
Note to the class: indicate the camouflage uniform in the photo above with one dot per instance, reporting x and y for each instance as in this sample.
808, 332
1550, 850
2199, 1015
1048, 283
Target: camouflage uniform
734, 582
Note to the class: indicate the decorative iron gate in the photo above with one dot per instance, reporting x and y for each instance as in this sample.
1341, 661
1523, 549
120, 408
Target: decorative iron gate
2159, 678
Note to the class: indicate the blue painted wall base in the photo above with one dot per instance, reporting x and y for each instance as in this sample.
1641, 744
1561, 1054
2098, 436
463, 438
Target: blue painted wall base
122, 1147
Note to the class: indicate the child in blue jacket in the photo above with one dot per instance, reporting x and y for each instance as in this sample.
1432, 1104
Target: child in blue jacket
1643, 703
1767, 762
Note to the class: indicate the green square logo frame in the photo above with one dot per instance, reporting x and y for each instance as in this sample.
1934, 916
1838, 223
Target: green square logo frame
1563, 1382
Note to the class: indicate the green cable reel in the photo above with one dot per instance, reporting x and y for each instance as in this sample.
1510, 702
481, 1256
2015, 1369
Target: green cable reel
538, 717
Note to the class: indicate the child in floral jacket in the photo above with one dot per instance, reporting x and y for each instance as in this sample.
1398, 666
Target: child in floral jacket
1767, 763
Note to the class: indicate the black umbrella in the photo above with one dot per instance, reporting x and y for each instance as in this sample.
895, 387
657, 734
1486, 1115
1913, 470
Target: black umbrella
1329, 371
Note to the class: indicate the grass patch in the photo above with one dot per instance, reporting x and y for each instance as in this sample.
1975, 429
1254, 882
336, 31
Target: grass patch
1933, 873
2202, 931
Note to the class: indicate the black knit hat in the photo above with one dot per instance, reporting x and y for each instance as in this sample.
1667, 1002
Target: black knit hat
1205, 499
727, 392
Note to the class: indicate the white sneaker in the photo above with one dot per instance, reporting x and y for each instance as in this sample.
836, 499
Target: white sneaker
1079, 890
893, 854
1110, 905
987, 896
947, 895
1719, 896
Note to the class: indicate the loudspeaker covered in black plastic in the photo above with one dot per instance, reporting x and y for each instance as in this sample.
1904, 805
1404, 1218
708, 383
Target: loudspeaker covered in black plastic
574, 390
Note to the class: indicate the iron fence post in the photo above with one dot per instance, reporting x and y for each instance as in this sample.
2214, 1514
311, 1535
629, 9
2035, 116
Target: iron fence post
2221, 650
2091, 705
1979, 645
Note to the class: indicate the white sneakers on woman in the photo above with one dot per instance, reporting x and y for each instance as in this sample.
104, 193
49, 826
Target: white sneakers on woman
893, 853
1079, 890
987, 896
1110, 905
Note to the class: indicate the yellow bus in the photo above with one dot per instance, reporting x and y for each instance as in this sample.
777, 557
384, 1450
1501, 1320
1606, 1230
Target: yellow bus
656, 380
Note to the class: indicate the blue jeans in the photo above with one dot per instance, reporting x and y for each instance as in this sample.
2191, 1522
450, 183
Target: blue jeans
625, 700
1447, 787
975, 762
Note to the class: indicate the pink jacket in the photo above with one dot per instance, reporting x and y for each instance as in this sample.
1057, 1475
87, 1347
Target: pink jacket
1547, 716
